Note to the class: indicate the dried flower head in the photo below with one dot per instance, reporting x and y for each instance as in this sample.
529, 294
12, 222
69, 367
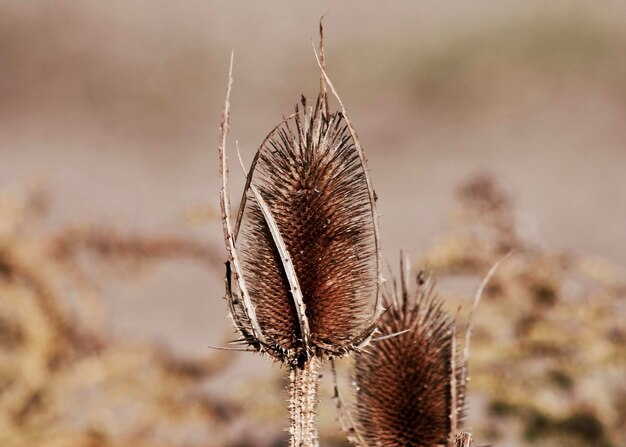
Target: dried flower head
409, 387
304, 246
310, 177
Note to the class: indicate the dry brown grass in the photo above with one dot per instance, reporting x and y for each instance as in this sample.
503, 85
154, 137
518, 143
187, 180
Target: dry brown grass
63, 380
547, 358
549, 355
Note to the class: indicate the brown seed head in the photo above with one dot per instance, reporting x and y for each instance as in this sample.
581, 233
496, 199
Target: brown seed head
309, 176
407, 387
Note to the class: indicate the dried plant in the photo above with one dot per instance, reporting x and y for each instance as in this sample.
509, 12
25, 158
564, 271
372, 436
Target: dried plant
66, 382
549, 356
463, 439
304, 248
409, 383
308, 200
302, 282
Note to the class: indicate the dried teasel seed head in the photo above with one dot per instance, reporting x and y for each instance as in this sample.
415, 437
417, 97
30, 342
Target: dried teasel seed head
303, 272
409, 391
303, 254
309, 180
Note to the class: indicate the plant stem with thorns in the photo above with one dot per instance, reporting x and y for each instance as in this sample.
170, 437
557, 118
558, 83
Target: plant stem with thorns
303, 386
303, 254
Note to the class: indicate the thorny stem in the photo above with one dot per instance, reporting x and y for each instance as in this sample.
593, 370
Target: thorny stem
463, 439
303, 386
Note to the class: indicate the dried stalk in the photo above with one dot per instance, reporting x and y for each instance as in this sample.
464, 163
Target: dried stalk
303, 387
233, 256
463, 439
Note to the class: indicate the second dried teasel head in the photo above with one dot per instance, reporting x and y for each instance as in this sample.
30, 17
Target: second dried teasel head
410, 383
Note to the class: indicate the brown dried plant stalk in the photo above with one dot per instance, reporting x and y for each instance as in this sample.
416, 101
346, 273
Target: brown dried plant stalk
463, 439
303, 252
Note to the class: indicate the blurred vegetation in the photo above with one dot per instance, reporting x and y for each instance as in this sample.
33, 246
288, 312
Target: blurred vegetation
474, 67
63, 380
548, 357
85, 58
549, 351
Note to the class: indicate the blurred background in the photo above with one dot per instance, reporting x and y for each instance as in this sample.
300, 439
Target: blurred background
488, 126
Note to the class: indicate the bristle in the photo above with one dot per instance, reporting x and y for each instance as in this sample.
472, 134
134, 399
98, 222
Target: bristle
310, 176
404, 392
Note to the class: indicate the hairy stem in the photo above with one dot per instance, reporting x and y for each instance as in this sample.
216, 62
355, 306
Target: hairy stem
303, 404
463, 439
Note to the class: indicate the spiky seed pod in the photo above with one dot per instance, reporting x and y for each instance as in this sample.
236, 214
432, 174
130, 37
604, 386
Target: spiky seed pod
309, 175
303, 254
408, 392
